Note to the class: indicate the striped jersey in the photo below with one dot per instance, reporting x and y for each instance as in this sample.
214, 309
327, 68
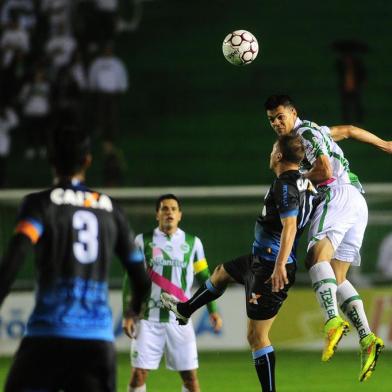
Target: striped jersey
318, 141
172, 263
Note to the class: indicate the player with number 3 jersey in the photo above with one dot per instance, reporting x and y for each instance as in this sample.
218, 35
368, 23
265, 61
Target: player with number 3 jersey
74, 231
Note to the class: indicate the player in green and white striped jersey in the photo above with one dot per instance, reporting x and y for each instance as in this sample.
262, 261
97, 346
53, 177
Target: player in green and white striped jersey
173, 259
337, 227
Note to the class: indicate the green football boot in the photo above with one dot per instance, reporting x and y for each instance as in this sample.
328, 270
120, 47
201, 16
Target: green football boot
334, 329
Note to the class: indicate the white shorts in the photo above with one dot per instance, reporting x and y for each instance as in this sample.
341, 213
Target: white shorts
153, 339
342, 217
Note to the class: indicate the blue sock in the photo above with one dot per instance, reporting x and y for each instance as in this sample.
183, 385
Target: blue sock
264, 360
206, 293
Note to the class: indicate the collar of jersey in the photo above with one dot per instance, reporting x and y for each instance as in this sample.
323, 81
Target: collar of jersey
74, 183
162, 234
297, 124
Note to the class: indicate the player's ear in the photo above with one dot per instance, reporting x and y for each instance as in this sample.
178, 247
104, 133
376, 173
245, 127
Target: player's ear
279, 156
294, 111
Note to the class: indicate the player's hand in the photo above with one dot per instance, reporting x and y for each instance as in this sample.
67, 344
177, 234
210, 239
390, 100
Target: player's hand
129, 327
216, 322
279, 278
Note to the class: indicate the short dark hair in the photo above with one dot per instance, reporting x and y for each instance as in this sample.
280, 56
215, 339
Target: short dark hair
167, 196
291, 148
68, 149
273, 101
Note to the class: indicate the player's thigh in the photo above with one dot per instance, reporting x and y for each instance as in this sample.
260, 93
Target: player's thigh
349, 249
335, 216
35, 366
181, 349
239, 268
92, 366
148, 347
261, 302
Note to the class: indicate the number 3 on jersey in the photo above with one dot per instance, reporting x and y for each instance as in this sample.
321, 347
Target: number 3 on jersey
86, 247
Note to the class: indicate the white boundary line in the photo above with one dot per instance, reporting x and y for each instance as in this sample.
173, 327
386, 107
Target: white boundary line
384, 189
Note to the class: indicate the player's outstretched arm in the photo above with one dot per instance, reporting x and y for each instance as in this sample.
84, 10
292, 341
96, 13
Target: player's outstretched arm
340, 132
12, 261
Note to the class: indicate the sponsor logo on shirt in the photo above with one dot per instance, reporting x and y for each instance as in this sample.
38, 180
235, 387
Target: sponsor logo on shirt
184, 248
173, 262
79, 198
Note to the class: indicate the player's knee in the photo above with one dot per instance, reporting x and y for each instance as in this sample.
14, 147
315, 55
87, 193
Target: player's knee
256, 339
138, 377
309, 260
322, 250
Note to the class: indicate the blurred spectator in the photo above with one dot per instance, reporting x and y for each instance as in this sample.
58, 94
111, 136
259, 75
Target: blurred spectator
114, 166
384, 262
86, 26
60, 48
13, 39
351, 78
13, 77
23, 10
107, 19
58, 13
8, 121
107, 80
70, 88
35, 100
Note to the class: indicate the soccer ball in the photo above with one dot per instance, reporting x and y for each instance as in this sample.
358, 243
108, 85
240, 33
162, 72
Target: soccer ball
240, 47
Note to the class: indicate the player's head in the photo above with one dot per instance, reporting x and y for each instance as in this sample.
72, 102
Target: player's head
288, 150
69, 150
281, 113
168, 213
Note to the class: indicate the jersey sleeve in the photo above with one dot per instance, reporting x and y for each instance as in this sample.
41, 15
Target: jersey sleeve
30, 219
139, 242
202, 272
286, 198
314, 143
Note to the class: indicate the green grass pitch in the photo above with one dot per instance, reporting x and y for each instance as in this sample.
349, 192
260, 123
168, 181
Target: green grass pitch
233, 372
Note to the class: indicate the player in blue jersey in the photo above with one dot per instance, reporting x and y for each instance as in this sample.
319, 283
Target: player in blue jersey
269, 271
74, 232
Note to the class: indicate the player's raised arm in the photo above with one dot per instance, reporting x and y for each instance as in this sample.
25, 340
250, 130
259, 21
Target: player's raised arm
341, 132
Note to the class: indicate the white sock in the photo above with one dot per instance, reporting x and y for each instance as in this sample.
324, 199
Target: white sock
184, 389
351, 304
324, 284
142, 388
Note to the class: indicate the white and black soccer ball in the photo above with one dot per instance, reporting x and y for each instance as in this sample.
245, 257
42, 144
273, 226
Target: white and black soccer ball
240, 47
